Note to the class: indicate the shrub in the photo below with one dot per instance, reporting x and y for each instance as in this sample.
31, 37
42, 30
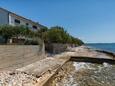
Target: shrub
58, 35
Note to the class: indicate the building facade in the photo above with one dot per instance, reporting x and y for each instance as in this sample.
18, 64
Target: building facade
10, 18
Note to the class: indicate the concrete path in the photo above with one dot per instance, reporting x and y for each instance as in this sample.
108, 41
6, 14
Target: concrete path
45, 68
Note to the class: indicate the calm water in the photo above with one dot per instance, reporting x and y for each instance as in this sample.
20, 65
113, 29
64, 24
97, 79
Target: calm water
103, 46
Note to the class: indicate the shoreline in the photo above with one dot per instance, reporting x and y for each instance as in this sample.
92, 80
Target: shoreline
73, 73
48, 65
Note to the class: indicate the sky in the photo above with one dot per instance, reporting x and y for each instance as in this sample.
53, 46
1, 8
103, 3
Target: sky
93, 21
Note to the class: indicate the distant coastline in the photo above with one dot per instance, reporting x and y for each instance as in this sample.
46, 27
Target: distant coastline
100, 43
104, 46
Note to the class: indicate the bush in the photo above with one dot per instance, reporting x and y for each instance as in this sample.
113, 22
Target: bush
30, 42
7, 32
55, 34
59, 35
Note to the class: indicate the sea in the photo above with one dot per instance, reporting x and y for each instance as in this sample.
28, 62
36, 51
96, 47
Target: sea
103, 46
89, 74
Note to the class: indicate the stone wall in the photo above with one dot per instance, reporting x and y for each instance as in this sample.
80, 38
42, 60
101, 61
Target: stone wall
56, 48
16, 56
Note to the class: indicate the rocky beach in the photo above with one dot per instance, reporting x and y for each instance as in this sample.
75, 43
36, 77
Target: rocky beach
84, 73
55, 71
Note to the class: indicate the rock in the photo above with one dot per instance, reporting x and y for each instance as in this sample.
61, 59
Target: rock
16, 78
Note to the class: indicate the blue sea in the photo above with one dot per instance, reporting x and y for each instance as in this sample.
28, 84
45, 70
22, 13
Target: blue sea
103, 46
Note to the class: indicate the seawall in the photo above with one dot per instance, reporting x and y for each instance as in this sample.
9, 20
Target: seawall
16, 56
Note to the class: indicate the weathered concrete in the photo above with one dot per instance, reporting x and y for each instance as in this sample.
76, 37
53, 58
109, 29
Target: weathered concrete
56, 48
79, 54
16, 56
44, 69
85, 51
92, 60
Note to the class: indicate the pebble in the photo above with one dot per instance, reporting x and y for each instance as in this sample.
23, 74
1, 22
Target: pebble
16, 78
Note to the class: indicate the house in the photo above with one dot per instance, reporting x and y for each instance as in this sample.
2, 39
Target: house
10, 18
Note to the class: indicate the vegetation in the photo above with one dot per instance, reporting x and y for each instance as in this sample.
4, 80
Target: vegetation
58, 35
7, 32
53, 35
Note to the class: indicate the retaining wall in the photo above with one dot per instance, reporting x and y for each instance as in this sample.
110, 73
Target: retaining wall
56, 48
16, 56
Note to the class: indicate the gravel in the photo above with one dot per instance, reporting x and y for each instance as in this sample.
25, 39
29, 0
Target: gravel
16, 78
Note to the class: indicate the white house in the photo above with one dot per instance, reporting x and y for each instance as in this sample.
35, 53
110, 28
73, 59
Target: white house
10, 18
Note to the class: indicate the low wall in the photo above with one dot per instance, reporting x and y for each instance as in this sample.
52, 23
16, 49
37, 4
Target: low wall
1, 40
57, 48
16, 56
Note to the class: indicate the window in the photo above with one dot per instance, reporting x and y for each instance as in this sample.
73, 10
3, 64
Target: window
35, 27
27, 24
17, 21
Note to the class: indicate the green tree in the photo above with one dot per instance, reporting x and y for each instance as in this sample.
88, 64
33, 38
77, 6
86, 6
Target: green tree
42, 32
57, 34
6, 32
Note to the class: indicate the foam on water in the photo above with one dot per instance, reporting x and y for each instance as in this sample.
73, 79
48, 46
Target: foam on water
98, 74
89, 74
84, 65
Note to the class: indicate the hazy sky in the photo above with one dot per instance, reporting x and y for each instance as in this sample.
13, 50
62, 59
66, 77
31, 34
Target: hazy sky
90, 20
